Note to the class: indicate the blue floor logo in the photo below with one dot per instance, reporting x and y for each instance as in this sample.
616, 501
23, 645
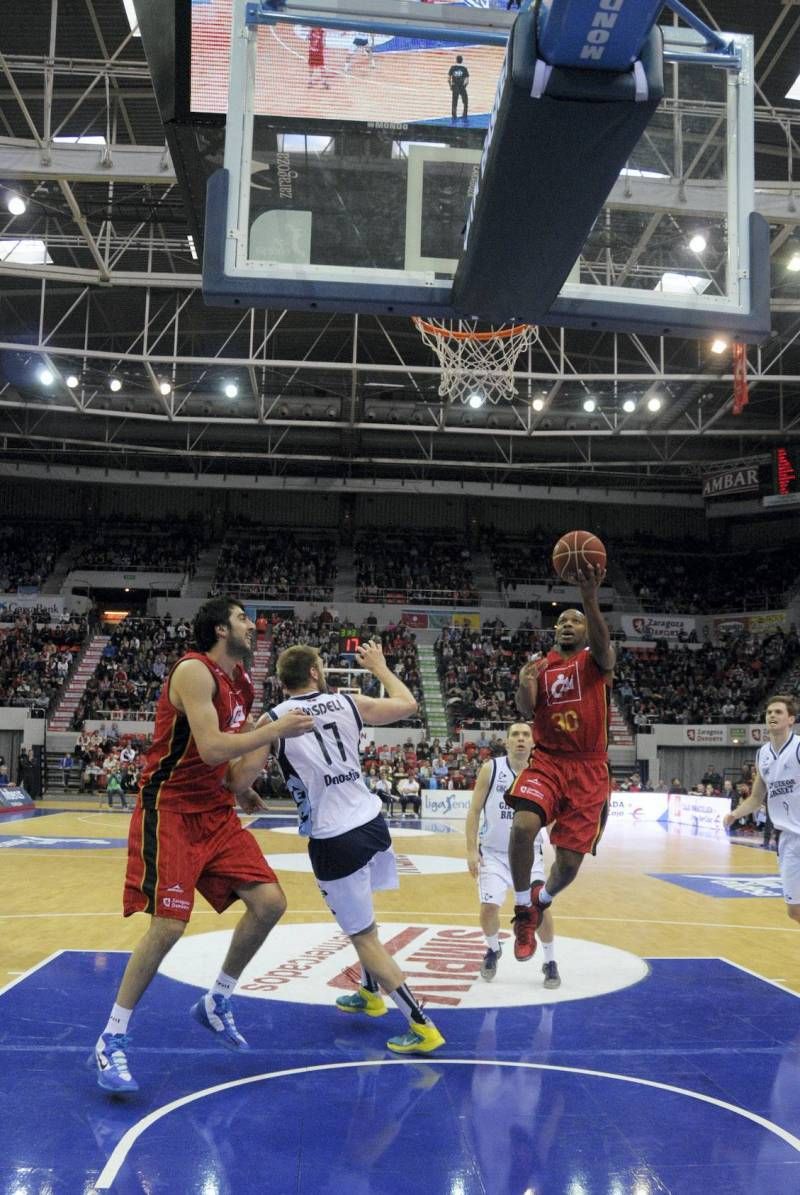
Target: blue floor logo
741, 885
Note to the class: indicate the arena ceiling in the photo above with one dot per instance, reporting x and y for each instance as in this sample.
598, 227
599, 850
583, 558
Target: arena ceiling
109, 286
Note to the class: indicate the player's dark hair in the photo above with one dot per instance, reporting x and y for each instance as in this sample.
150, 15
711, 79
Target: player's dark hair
294, 665
459, 58
214, 613
784, 699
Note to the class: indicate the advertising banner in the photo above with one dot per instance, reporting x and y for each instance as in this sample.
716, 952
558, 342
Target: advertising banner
701, 813
706, 736
637, 807
471, 620
657, 626
741, 480
764, 623
22, 601
13, 797
414, 618
444, 802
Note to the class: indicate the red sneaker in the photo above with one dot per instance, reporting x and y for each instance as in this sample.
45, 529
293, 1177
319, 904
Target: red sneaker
524, 927
537, 910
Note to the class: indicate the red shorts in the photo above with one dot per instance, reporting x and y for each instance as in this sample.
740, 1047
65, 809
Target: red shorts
571, 793
172, 854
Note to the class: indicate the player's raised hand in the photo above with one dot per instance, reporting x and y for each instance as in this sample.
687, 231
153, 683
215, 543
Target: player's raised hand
370, 655
590, 577
293, 724
531, 670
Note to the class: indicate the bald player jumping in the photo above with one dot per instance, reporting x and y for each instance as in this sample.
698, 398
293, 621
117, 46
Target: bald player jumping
567, 781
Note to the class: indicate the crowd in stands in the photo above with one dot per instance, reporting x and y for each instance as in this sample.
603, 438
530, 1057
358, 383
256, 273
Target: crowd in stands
137, 657
105, 762
333, 637
519, 560
167, 547
28, 553
479, 670
396, 565
715, 682
277, 565
36, 656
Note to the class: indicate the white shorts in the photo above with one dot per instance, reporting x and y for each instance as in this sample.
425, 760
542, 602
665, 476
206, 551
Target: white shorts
789, 865
350, 899
494, 874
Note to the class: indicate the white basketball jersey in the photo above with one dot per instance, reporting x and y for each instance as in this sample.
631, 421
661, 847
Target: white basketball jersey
497, 816
780, 772
322, 769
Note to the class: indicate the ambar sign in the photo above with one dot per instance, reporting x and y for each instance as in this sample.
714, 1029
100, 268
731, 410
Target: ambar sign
732, 481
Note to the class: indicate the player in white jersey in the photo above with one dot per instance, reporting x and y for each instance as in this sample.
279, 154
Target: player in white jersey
778, 779
349, 845
487, 850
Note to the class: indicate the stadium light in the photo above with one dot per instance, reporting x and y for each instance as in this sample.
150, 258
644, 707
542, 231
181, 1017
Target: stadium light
589, 405
793, 264
538, 404
46, 376
72, 381
654, 403
114, 385
475, 401
231, 390
629, 406
165, 388
698, 243
719, 345
16, 205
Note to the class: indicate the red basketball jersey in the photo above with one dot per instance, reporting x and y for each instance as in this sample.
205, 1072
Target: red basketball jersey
174, 776
571, 714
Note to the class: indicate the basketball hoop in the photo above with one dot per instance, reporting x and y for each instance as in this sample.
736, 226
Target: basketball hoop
475, 363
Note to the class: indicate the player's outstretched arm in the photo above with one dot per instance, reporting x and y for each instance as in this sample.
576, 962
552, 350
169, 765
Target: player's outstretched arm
479, 795
590, 578
192, 692
399, 701
749, 805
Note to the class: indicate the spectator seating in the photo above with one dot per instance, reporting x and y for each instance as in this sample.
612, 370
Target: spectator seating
28, 552
479, 671
520, 560
152, 547
277, 564
36, 656
398, 565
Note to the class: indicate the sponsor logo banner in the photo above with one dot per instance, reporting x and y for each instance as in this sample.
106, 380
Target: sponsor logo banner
31, 842
310, 964
14, 797
407, 865
701, 813
765, 623
470, 620
638, 807
740, 480
705, 736
414, 618
446, 802
657, 626
726, 886
27, 601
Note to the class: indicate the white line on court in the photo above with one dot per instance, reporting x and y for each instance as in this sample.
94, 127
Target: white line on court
126, 1142
776, 983
31, 970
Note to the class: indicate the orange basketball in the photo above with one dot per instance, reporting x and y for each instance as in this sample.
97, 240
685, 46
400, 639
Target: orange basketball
576, 549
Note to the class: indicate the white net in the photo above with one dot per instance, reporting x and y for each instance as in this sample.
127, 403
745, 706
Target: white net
477, 366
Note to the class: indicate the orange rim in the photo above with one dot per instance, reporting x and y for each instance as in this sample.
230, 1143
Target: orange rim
501, 334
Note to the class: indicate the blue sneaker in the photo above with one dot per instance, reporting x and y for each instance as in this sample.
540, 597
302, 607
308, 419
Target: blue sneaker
220, 1022
111, 1063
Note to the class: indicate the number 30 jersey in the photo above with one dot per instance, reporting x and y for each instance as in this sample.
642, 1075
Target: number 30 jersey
571, 714
322, 769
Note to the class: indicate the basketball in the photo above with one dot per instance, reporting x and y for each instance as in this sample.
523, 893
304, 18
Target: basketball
576, 549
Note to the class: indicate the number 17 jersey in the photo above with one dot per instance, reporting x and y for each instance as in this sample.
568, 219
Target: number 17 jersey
322, 769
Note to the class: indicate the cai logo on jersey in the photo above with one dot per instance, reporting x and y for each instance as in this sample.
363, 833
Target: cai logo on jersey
563, 684
237, 716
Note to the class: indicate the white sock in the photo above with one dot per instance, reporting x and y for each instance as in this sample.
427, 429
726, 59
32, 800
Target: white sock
224, 986
544, 897
117, 1021
408, 1006
523, 897
549, 949
493, 941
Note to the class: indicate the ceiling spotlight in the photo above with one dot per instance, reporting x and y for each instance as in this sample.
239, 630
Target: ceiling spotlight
165, 388
629, 406
793, 264
698, 243
72, 381
475, 400
654, 403
719, 345
16, 205
115, 384
231, 390
46, 376
538, 404
589, 405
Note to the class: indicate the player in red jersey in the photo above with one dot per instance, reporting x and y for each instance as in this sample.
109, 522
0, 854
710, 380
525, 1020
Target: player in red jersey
185, 833
316, 56
567, 782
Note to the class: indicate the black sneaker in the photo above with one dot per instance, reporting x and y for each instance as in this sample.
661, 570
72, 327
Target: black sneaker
552, 979
489, 964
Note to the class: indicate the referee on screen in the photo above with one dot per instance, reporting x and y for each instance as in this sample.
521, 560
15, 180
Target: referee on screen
458, 78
